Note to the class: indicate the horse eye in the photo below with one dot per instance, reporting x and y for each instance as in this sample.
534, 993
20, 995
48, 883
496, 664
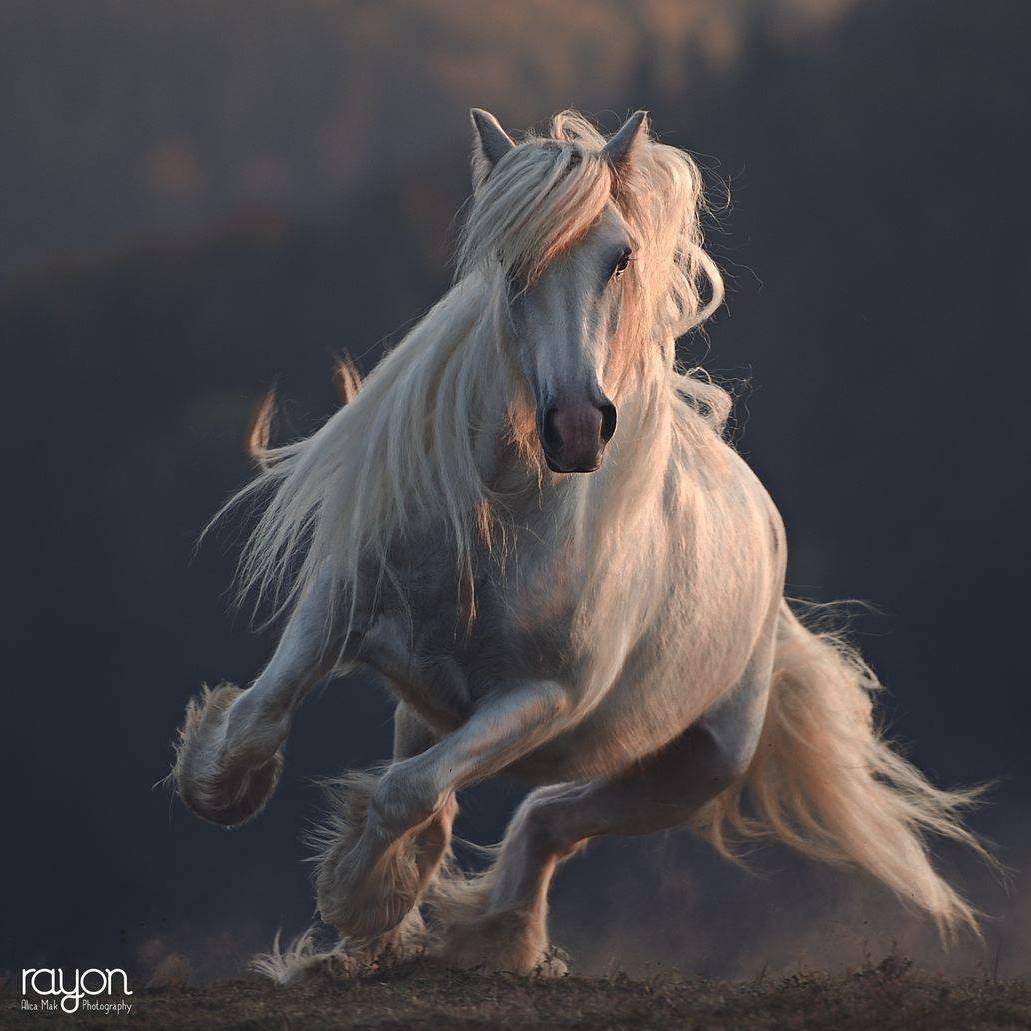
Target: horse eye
622, 262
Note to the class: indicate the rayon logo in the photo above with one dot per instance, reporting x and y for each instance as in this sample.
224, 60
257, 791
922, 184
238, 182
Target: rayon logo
86, 985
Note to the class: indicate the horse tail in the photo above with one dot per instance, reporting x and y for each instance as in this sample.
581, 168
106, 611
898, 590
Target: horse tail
826, 782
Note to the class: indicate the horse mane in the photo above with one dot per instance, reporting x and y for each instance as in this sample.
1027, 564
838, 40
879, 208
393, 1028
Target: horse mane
410, 444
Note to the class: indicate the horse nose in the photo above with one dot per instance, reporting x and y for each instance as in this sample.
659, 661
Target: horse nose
574, 434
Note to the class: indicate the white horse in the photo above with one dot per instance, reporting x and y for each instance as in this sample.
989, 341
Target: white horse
596, 610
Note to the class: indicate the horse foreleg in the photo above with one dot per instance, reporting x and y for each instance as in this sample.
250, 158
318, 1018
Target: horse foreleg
501, 921
412, 737
410, 937
229, 756
390, 834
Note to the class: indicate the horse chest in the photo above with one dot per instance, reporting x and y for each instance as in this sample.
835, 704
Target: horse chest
441, 656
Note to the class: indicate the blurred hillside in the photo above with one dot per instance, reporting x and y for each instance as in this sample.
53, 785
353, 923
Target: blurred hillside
212, 198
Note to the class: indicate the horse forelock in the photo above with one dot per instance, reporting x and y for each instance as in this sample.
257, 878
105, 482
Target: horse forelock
537, 203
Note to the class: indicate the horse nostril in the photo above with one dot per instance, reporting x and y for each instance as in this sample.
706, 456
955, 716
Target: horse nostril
552, 439
608, 420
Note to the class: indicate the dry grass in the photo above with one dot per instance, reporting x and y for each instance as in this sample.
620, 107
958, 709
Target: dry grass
887, 996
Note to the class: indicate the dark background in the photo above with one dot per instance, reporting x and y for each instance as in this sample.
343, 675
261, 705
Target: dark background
201, 199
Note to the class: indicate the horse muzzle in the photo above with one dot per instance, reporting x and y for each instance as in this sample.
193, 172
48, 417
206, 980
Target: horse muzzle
574, 434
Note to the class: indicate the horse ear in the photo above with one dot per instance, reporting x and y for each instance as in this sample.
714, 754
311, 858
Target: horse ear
490, 144
620, 150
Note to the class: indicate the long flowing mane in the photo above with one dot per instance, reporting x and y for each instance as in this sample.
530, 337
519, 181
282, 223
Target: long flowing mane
411, 443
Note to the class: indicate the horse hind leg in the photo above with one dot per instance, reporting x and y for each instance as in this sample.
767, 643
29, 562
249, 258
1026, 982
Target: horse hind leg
479, 921
500, 919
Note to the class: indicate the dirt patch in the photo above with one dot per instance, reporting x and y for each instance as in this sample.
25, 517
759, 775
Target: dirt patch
887, 996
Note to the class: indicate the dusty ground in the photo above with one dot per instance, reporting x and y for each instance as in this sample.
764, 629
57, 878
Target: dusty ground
886, 996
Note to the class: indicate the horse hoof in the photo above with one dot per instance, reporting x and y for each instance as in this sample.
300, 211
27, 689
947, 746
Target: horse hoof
371, 903
511, 942
218, 786
366, 883
369, 880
